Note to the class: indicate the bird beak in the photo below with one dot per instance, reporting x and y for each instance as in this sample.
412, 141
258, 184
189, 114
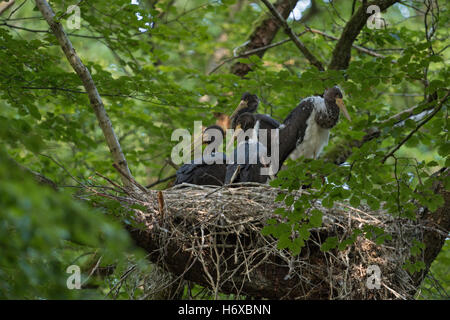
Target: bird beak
341, 106
242, 105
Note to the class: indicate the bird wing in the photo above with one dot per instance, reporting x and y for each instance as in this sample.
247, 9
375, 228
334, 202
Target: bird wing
267, 122
185, 173
301, 113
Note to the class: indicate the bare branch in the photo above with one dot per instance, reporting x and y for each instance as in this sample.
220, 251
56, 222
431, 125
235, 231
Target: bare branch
342, 51
263, 35
359, 48
254, 51
5, 5
308, 55
436, 110
91, 89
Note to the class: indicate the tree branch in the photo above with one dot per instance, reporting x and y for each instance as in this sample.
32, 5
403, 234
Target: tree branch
91, 89
308, 55
439, 219
340, 152
263, 35
5, 5
359, 48
253, 51
431, 115
342, 51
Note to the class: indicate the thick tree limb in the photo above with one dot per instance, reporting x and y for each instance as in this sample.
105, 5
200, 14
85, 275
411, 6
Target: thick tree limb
342, 51
439, 219
5, 5
282, 21
264, 34
91, 89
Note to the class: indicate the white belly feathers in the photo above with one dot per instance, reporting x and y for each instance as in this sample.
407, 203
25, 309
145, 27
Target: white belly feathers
316, 137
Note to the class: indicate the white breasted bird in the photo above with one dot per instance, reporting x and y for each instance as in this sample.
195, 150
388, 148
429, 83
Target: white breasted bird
310, 122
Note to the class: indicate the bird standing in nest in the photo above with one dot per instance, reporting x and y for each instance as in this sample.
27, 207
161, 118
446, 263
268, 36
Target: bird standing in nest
307, 127
305, 132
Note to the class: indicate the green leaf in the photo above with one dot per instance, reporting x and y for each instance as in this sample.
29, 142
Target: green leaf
330, 243
316, 218
355, 201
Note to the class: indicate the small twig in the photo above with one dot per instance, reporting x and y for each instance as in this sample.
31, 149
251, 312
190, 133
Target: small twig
436, 110
308, 55
359, 48
64, 168
160, 181
113, 183
16, 9
253, 51
130, 178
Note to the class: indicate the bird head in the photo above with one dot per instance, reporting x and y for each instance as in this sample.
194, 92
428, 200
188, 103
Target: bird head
334, 94
249, 102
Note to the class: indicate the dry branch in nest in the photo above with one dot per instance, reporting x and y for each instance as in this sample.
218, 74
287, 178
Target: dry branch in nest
212, 236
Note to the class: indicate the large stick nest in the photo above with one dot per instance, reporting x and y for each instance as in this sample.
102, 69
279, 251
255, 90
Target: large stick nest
212, 236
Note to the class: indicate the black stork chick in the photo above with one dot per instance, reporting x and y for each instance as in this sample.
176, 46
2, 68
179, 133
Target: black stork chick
250, 155
307, 127
211, 168
249, 104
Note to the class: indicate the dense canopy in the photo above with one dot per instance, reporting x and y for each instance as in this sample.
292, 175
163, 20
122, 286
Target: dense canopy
154, 66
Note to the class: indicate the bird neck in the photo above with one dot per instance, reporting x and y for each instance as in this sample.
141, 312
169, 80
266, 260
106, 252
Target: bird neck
328, 117
250, 109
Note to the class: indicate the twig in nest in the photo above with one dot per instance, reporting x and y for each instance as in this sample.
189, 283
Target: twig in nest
142, 188
161, 204
160, 181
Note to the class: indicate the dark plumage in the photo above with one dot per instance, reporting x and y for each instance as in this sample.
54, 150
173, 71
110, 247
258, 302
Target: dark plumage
249, 104
249, 156
205, 171
309, 125
304, 132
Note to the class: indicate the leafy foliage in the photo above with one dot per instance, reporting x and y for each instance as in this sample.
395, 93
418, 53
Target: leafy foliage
43, 232
151, 64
